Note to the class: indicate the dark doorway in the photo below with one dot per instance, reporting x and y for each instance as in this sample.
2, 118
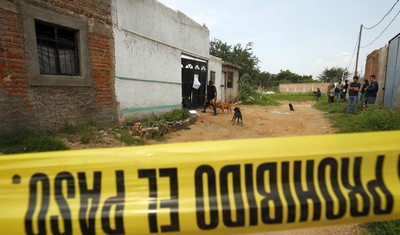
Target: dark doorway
190, 69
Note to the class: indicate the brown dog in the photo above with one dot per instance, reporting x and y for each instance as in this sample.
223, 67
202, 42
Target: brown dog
226, 106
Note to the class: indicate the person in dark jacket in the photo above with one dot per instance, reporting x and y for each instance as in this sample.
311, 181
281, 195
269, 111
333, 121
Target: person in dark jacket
211, 97
372, 90
353, 95
318, 94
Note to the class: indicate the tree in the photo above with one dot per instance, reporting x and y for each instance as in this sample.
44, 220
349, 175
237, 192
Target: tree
264, 79
333, 74
290, 77
236, 54
245, 87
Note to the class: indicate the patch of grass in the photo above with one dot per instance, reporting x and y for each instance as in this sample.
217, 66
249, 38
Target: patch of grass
159, 138
332, 108
376, 118
26, 141
174, 115
126, 138
387, 227
78, 129
87, 132
177, 115
154, 120
261, 99
293, 96
373, 118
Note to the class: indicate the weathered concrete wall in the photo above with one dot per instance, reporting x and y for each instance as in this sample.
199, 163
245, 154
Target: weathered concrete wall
215, 65
150, 39
303, 87
381, 74
49, 107
231, 94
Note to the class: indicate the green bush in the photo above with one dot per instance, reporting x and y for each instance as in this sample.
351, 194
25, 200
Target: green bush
177, 115
174, 115
245, 87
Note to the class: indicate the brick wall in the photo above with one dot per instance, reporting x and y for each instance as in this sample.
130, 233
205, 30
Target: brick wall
372, 64
50, 108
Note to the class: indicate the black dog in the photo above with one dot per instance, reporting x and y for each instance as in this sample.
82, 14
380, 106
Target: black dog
291, 107
237, 115
186, 103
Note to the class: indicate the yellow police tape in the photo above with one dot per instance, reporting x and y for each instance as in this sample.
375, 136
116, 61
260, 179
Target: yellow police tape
221, 187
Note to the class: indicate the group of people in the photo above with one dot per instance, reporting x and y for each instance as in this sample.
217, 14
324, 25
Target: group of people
368, 91
340, 90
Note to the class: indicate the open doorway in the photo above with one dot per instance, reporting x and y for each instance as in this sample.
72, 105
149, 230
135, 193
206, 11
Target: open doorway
194, 69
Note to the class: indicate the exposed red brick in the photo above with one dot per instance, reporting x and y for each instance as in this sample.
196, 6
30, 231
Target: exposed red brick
14, 56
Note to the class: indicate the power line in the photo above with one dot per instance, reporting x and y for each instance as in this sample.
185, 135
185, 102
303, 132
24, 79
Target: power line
382, 18
382, 31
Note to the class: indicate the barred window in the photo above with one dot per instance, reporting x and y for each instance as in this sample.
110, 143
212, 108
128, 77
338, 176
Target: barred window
212, 76
57, 50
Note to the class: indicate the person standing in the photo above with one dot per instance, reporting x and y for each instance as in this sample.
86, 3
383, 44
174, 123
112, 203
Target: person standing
338, 89
372, 90
353, 95
318, 94
331, 94
363, 97
211, 96
344, 91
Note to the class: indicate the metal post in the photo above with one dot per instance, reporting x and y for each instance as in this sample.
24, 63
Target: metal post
358, 50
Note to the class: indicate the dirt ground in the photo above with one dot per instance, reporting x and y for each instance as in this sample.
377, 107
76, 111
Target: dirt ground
264, 121
258, 122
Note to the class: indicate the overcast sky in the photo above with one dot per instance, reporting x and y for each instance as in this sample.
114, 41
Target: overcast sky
304, 36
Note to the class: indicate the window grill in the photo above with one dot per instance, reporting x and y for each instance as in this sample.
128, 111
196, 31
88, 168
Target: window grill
57, 50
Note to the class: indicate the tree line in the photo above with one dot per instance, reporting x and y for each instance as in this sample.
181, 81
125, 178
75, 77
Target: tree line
244, 57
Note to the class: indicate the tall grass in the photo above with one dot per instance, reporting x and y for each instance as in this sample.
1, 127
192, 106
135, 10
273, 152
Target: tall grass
373, 118
391, 227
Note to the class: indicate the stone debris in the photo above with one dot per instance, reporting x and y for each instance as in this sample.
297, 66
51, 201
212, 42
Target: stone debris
139, 131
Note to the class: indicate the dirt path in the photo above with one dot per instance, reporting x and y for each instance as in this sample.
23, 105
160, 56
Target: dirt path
264, 121
258, 121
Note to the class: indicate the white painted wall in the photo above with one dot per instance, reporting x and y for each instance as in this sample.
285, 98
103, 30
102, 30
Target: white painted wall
231, 94
149, 41
215, 64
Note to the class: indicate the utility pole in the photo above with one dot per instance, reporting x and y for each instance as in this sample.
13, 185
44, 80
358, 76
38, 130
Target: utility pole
358, 50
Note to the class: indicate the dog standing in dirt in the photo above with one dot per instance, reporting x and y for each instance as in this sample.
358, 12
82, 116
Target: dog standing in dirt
237, 115
226, 106
291, 107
